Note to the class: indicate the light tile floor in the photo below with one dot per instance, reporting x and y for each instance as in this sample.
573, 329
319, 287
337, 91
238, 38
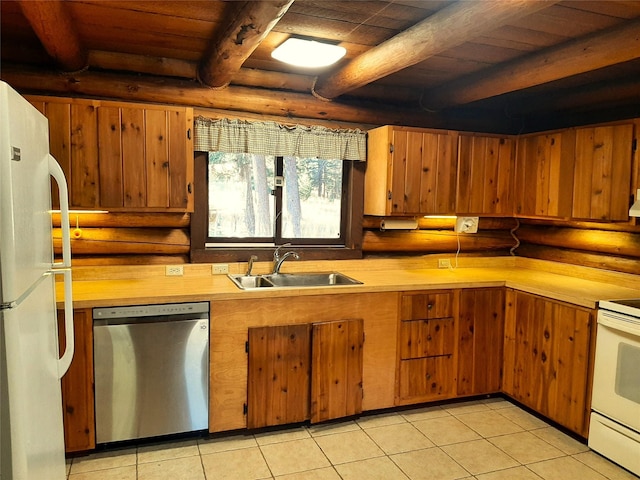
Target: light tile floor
488, 439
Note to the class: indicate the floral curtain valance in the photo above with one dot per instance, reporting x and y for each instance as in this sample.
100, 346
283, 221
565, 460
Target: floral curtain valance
270, 138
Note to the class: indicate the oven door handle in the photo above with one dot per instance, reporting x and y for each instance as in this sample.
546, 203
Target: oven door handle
619, 324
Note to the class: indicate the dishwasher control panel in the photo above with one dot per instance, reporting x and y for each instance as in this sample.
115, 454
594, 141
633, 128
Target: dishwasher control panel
151, 310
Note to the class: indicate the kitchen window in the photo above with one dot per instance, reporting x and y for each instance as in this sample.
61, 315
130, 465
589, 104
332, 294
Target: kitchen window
247, 202
274, 200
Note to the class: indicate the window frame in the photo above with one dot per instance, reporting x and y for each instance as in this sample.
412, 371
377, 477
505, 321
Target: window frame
352, 248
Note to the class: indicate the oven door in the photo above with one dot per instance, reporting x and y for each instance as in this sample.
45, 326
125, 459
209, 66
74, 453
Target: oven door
616, 381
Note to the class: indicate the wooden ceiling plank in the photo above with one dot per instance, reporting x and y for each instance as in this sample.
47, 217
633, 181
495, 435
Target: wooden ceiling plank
54, 27
232, 45
582, 55
449, 27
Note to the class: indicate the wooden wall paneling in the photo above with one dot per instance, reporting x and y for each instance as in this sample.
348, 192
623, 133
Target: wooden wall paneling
59, 116
84, 185
77, 384
133, 157
110, 157
336, 371
278, 375
156, 158
181, 159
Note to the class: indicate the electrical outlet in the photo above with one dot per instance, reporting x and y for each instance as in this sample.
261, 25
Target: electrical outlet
219, 268
467, 224
444, 263
173, 270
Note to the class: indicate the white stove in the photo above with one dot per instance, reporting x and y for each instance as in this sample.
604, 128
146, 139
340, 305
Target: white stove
615, 403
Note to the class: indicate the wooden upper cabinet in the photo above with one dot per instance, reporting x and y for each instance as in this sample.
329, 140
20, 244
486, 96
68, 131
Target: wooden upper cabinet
602, 175
121, 156
544, 175
485, 173
410, 171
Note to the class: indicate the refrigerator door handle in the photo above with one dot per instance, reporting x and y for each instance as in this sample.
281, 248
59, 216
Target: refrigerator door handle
56, 172
65, 360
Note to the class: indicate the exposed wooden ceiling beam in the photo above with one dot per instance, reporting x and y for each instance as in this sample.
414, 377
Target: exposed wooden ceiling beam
594, 51
447, 28
54, 27
232, 45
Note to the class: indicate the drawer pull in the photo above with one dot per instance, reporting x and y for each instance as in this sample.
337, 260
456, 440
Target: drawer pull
429, 306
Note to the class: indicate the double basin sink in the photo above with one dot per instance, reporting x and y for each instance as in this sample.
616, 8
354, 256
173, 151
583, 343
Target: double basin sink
248, 282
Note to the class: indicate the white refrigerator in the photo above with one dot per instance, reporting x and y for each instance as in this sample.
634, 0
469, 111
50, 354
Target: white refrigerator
31, 429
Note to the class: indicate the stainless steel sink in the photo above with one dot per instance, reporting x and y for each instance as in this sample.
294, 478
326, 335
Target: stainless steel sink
246, 282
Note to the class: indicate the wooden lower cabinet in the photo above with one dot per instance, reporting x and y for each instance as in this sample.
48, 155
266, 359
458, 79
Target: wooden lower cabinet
547, 357
427, 346
77, 384
278, 378
304, 372
480, 341
231, 320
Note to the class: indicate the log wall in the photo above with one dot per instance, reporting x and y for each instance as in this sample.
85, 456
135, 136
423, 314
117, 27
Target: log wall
436, 235
609, 246
126, 238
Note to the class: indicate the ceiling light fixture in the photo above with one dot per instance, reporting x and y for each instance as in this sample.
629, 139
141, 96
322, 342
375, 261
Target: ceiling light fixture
308, 53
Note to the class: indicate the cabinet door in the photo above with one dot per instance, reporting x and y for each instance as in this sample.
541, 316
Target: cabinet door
278, 376
336, 366
547, 351
410, 171
602, 175
480, 341
423, 172
485, 175
544, 174
426, 379
120, 156
77, 385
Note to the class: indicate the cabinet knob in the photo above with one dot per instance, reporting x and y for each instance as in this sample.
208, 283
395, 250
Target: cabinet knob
429, 306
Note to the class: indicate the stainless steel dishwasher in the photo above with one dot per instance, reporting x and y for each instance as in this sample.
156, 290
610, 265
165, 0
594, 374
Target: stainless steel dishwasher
151, 370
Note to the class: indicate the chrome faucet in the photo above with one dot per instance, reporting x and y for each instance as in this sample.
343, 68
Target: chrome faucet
252, 259
278, 259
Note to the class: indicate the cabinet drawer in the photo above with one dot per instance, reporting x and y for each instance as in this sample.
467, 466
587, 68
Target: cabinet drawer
426, 338
426, 306
427, 378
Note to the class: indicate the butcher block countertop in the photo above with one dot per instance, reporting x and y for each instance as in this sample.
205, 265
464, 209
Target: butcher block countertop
133, 285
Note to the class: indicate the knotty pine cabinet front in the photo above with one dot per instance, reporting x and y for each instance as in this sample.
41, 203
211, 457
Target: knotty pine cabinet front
544, 174
304, 372
548, 357
480, 341
485, 175
602, 174
427, 346
78, 411
410, 171
120, 156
